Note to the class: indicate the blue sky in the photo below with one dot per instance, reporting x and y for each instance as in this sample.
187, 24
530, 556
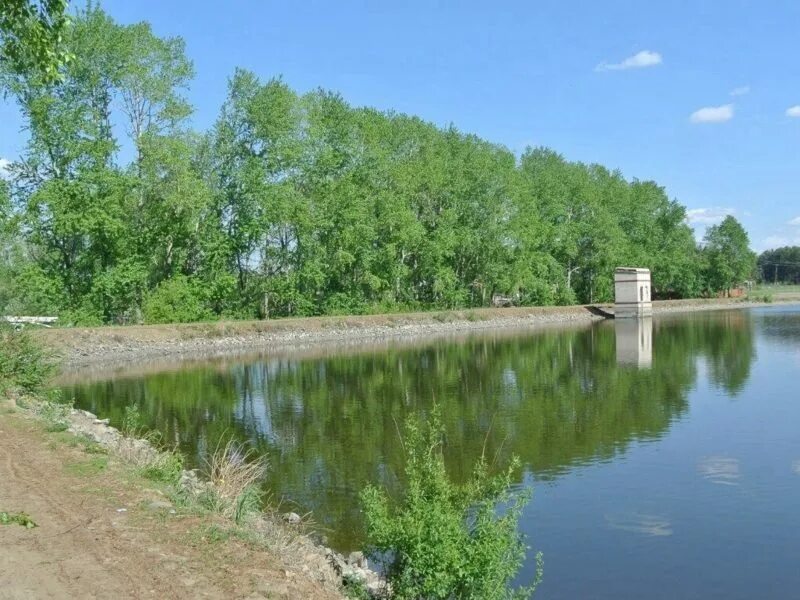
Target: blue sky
694, 95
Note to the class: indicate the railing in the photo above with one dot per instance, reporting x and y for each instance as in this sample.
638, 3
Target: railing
20, 322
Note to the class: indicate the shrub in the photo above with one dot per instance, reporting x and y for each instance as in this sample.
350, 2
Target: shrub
441, 540
24, 364
176, 300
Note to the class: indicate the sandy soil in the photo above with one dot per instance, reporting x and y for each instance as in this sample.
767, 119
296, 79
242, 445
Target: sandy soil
86, 547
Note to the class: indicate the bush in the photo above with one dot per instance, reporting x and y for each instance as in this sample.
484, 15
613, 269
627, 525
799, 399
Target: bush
176, 300
24, 364
441, 540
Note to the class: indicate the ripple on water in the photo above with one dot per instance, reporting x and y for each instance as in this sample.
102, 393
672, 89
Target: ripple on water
643, 524
721, 470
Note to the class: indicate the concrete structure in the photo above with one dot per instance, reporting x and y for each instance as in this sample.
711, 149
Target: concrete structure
634, 342
632, 293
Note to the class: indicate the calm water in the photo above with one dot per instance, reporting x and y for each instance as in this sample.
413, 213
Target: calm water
664, 457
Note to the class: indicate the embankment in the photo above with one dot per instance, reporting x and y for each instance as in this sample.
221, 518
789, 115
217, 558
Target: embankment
80, 347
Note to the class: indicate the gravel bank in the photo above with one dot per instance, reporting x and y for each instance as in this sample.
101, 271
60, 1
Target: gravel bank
81, 348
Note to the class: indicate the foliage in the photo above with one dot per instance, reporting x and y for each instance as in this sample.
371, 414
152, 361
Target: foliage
24, 363
20, 518
165, 467
54, 413
298, 204
174, 301
781, 265
31, 36
443, 540
730, 260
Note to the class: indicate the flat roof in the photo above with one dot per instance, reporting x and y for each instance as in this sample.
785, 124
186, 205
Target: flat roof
631, 270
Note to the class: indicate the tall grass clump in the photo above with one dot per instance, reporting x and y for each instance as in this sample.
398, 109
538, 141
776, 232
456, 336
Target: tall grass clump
235, 474
441, 540
24, 364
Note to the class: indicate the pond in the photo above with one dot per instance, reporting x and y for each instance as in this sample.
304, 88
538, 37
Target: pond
664, 454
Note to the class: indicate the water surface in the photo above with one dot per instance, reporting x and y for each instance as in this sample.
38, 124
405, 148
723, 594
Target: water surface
664, 454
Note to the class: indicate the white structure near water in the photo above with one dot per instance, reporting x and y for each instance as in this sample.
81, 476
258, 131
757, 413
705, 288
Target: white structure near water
632, 293
634, 342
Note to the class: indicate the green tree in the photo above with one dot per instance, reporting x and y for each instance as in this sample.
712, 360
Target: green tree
31, 35
730, 260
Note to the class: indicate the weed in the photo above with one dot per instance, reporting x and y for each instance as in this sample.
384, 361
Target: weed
234, 473
354, 589
165, 467
21, 518
54, 413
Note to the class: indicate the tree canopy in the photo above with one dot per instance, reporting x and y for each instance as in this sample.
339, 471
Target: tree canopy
730, 260
301, 204
781, 265
31, 36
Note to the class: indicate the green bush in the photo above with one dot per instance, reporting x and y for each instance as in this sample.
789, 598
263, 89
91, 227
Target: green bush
24, 364
176, 300
441, 540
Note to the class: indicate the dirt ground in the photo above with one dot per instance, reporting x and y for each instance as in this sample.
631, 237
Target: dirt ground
103, 534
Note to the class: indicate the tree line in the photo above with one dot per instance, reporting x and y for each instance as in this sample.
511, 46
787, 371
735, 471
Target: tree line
781, 265
301, 204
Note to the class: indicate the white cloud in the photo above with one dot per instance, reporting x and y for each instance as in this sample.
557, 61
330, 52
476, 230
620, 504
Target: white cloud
795, 221
708, 216
712, 114
793, 111
645, 58
742, 90
4, 165
779, 241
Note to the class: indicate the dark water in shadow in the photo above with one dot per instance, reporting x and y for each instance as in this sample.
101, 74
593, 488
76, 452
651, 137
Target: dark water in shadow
664, 455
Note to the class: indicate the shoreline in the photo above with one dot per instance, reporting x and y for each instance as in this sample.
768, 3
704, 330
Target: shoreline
284, 538
125, 346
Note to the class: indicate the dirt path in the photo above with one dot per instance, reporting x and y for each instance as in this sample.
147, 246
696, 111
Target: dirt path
98, 535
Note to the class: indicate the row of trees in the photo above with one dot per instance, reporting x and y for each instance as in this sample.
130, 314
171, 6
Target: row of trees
781, 265
299, 204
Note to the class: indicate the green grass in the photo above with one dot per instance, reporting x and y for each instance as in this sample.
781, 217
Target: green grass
775, 290
88, 468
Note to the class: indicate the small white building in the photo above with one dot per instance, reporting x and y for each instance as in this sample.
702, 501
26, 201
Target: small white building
632, 293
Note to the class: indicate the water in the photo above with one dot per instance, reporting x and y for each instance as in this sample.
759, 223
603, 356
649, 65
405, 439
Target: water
664, 455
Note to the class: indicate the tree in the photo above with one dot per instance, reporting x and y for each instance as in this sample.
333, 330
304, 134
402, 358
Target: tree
780, 265
31, 35
730, 260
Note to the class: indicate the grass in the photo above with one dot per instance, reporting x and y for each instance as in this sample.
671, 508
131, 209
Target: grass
88, 468
164, 467
774, 290
235, 474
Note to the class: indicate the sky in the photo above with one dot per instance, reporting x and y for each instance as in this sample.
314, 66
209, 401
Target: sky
701, 97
